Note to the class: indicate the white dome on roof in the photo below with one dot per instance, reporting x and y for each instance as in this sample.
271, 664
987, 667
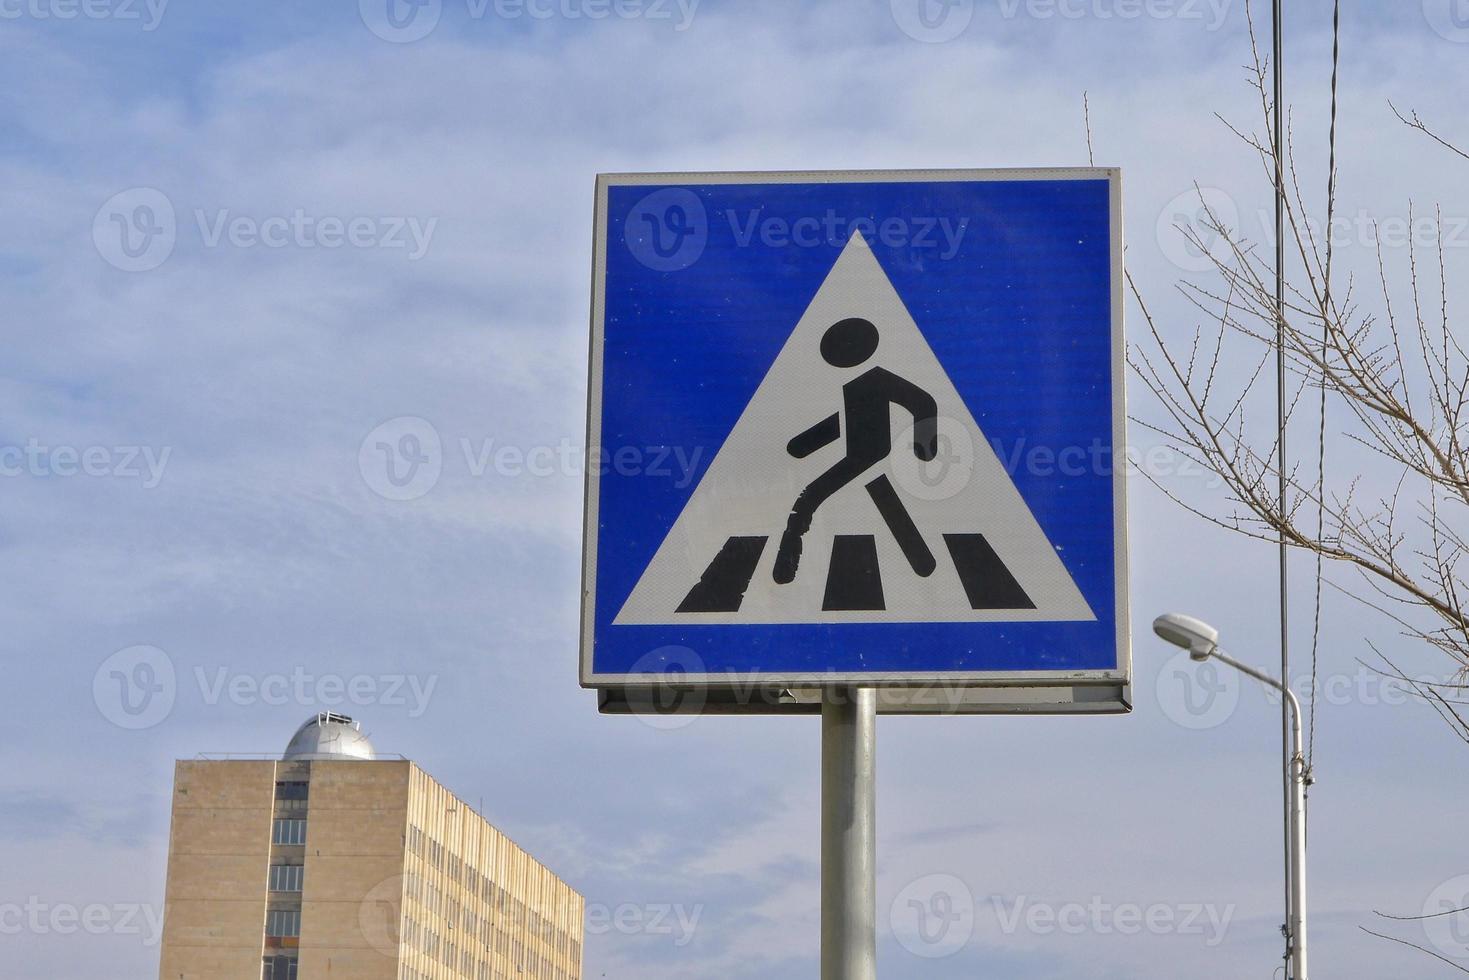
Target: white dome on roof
329, 736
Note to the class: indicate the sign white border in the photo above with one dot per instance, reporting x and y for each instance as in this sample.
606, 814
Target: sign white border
1017, 682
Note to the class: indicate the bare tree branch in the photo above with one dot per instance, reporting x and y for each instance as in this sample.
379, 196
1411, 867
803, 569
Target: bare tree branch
1414, 122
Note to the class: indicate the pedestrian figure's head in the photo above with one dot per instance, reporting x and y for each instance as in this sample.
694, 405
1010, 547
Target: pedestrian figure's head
849, 342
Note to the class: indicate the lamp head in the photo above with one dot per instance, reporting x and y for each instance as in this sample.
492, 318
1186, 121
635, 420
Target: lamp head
1194, 635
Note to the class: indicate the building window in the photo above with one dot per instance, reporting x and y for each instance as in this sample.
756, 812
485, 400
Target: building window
291, 790
279, 968
286, 877
283, 923
289, 830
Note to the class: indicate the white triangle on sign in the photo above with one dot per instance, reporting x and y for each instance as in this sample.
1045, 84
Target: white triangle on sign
750, 488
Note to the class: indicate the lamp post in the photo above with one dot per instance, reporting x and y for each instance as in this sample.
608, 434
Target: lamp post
1202, 642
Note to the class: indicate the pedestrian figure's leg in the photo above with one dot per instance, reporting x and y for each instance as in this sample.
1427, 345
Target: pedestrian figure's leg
821, 489
910, 539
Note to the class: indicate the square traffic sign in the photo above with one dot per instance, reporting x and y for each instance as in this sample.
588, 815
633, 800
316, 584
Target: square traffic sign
859, 428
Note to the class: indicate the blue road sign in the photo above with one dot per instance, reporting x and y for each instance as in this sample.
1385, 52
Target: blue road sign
857, 427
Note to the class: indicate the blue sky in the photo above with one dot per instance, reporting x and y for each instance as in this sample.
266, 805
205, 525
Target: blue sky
225, 388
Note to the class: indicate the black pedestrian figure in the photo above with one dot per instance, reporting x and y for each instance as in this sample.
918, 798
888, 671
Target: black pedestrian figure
866, 416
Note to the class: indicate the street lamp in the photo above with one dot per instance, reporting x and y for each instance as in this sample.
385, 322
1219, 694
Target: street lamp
1202, 642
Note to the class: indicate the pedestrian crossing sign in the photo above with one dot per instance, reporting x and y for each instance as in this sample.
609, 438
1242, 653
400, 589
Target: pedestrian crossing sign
858, 428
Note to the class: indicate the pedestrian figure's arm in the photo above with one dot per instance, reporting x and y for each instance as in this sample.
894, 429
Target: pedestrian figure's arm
925, 417
822, 433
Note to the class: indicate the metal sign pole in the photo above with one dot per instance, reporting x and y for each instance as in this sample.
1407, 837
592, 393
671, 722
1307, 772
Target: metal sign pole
849, 834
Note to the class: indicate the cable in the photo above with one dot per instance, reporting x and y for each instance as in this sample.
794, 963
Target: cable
1325, 346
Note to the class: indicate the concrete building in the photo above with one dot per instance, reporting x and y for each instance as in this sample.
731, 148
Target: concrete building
332, 862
